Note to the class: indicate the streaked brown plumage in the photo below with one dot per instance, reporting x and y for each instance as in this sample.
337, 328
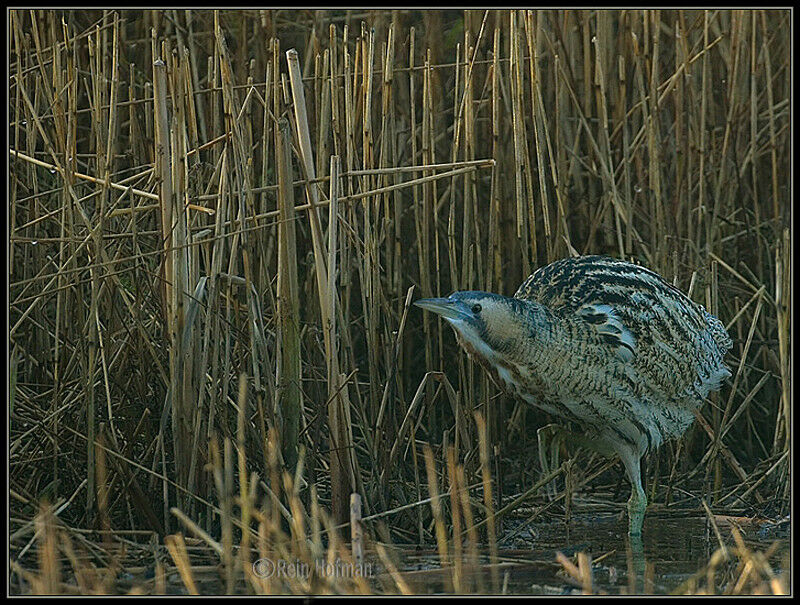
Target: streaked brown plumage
608, 346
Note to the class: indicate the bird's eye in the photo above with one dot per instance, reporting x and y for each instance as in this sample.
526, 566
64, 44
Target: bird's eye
476, 309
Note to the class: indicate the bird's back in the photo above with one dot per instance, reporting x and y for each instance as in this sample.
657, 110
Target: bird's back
672, 345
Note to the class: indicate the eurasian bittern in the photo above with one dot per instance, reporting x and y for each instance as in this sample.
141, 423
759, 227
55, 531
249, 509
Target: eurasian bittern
608, 346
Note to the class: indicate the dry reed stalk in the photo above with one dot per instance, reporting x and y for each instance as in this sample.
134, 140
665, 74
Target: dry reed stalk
488, 502
289, 403
520, 148
183, 335
456, 516
783, 302
600, 100
356, 531
50, 578
177, 550
436, 507
246, 484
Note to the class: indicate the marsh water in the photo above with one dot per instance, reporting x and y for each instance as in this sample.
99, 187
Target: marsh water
673, 548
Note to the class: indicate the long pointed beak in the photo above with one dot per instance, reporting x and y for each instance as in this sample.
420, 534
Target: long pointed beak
445, 307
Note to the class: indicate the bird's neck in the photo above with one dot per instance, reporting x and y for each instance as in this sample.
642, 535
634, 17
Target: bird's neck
543, 334
534, 330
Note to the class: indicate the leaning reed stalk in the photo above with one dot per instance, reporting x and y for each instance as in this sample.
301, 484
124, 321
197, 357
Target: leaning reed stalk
342, 466
783, 296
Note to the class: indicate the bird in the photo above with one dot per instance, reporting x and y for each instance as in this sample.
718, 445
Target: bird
619, 356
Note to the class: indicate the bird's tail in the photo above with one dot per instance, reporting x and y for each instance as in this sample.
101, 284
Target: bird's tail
719, 334
714, 371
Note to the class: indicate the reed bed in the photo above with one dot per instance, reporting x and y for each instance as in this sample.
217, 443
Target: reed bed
218, 223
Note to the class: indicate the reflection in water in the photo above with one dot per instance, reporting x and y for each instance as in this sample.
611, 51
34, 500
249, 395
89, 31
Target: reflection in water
636, 567
668, 551
671, 549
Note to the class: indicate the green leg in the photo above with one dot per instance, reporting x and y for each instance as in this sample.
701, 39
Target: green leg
550, 438
638, 500
636, 507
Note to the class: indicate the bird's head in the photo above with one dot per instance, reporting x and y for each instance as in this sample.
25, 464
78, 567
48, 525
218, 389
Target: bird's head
490, 324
